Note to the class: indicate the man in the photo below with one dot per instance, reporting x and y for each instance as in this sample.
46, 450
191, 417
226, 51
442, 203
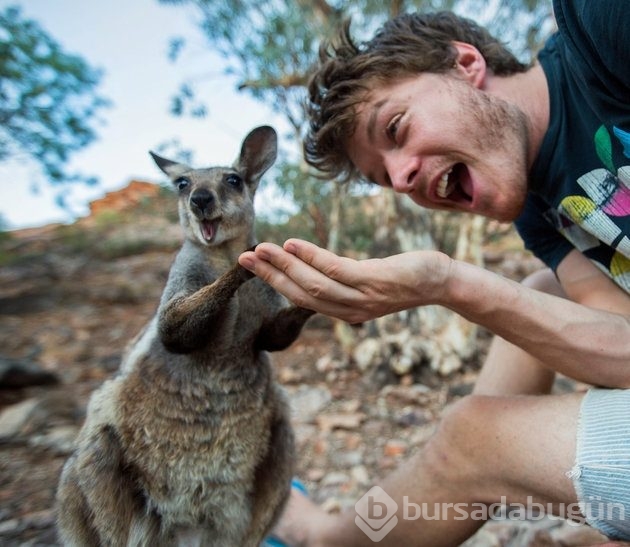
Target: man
435, 108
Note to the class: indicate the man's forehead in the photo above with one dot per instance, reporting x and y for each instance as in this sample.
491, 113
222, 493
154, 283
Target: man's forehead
366, 115
373, 111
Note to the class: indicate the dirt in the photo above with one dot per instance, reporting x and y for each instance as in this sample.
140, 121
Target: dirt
69, 305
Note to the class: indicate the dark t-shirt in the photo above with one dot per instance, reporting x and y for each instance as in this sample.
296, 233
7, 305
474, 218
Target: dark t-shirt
580, 183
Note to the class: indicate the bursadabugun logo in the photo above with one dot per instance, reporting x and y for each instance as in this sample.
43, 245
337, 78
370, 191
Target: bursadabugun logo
376, 514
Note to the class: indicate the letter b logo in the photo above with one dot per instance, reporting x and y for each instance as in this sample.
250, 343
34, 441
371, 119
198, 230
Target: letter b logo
376, 514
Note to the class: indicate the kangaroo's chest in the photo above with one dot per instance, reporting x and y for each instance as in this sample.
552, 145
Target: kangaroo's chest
193, 446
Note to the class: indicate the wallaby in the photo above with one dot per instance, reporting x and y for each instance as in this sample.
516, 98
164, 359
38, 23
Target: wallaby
190, 443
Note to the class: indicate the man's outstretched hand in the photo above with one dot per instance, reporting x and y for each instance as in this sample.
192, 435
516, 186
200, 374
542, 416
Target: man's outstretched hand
351, 290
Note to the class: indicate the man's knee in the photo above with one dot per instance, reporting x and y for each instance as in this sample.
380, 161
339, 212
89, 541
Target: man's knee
463, 440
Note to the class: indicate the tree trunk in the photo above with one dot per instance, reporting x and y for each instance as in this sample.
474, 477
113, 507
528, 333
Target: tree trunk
430, 335
336, 216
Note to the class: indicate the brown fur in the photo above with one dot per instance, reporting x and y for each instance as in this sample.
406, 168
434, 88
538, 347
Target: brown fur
190, 443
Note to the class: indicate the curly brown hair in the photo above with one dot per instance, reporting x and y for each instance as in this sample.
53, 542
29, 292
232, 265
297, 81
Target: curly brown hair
404, 46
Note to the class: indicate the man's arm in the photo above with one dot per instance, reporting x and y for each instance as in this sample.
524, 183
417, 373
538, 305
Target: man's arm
584, 283
587, 339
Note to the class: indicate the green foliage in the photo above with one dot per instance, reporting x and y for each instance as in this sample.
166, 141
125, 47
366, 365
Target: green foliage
276, 231
114, 235
48, 103
119, 247
357, 236
271, 46
5, 237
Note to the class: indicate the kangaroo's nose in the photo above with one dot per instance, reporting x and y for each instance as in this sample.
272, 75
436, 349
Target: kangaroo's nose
202, 199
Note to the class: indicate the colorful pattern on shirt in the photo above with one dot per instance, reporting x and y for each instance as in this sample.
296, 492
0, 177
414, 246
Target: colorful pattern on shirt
580, 183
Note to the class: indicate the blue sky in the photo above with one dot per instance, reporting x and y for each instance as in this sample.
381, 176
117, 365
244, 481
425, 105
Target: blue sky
129, 41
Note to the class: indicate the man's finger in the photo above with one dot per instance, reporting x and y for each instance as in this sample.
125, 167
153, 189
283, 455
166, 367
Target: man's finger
316, 282
343, 270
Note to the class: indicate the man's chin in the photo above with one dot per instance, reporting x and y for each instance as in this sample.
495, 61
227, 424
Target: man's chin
506, 212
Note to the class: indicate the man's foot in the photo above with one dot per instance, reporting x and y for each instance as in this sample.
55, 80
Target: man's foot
302, 522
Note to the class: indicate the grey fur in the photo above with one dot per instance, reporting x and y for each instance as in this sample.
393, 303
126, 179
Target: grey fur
190, 443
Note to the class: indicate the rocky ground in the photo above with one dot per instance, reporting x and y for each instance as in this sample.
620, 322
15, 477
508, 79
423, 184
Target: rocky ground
72, 297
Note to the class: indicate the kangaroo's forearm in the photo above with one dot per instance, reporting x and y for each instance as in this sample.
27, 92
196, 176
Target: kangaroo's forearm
281, 331
185, 323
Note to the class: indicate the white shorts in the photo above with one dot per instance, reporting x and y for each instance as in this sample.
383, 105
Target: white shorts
601, 474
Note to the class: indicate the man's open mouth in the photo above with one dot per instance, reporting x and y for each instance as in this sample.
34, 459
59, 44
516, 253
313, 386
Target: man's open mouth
455, 184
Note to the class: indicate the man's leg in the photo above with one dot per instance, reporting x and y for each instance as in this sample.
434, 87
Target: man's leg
486, 450
508, 370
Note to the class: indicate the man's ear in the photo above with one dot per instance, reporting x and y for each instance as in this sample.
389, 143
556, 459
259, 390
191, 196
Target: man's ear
471, 64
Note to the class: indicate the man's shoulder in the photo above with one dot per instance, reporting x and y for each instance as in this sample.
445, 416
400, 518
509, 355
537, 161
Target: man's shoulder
597, 33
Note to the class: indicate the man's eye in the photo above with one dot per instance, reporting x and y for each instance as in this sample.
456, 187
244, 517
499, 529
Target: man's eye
392, 127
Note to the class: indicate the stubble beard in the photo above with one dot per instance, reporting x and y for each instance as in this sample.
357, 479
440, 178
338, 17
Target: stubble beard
501, 136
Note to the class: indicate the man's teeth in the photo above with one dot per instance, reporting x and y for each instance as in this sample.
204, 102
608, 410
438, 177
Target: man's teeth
443, 189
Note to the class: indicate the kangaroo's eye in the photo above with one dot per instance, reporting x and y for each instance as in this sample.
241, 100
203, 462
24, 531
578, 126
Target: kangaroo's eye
181, 183
234, 180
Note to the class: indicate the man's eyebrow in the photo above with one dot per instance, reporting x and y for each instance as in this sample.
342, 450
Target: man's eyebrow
371, 124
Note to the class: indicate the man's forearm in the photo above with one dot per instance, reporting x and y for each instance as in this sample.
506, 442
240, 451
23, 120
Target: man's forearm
581, 342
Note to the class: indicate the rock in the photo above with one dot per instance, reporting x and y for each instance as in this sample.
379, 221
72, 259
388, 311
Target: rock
321, 446
349, 459
352, 440
60, 440
360, 475
36, 414
328, 422
460, 389
415, 394
410, 417
402, 364
350, 405
335, 478
571, 535
327, 364
307, 401
124, 199
15, 373
484, 538
304, 434
331, 505
36, 520
367, 354
395, 448
13, 419
290, 376
447, 364
315, 475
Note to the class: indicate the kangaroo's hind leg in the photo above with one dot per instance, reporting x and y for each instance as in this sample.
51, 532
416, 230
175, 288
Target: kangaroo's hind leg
73, 514
273, 477
108, 492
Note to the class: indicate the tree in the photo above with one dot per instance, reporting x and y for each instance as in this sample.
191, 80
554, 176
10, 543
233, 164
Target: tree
48, 103
270, 47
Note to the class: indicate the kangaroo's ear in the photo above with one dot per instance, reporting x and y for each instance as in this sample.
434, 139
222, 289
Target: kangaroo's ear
172, 168
258, 152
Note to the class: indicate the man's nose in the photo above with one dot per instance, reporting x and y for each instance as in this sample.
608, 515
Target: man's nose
402, 172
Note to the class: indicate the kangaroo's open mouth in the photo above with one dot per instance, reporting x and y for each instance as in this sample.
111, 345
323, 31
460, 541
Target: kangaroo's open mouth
209, 229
